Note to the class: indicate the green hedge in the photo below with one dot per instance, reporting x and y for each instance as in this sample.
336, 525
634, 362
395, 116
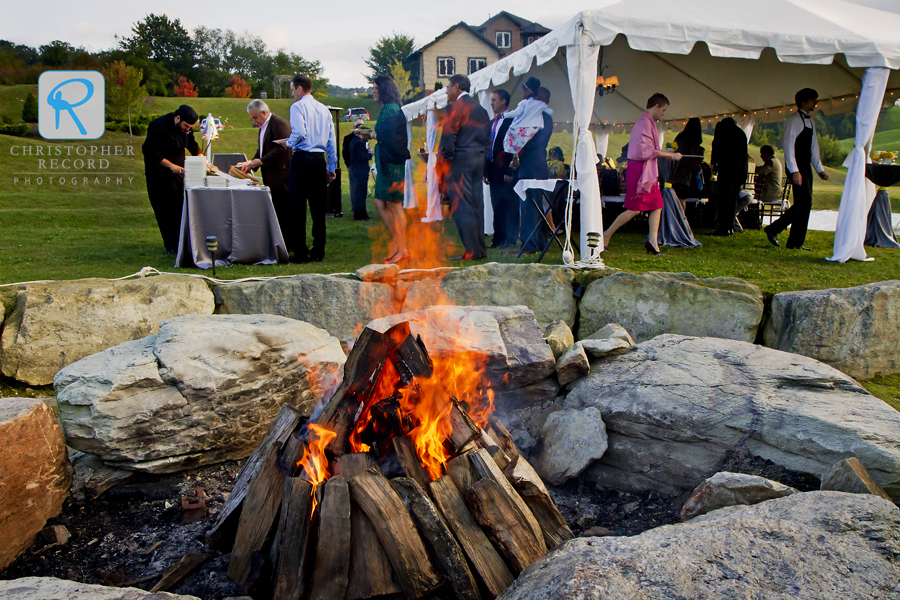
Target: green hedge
20, 130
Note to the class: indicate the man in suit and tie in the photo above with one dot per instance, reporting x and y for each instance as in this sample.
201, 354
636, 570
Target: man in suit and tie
465, 140
499, 177
275, 159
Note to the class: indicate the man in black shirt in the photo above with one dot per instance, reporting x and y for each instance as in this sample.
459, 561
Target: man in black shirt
357, 156
167, 138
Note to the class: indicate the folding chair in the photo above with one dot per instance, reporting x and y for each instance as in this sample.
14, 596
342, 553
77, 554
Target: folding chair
556, 208
775, 209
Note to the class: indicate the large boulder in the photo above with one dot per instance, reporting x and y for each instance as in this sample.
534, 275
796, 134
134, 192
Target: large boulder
34, 473
675, 406
505, 341
55, 324
856, 330
51, 588
340, 306
810, 546
650, 304
203, 390
545, 289
571, 440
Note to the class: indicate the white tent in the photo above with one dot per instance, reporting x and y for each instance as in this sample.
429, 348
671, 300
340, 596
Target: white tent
752, 59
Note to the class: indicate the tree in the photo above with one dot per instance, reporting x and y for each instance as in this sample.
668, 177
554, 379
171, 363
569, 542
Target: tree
294, 64
158, 38
401, 79
30, 109
238, 88
56, 53
398, 47
124, 92
185, 88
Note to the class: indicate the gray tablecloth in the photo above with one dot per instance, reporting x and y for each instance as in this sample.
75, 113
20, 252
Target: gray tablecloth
242, 218
674, 229
879, 229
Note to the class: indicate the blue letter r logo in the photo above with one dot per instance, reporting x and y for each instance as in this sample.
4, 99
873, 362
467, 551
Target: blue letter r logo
71, 105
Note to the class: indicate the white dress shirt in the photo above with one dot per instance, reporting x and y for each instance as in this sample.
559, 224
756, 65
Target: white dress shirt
312, 129
262, 133
794, 126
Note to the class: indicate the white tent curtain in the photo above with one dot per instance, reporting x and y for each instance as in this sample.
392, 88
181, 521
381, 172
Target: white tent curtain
856, 198
484, 98
746, 124
410, 198
601, 141
433, 212
582, 65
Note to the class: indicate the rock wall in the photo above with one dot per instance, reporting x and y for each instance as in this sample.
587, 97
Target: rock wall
856, 330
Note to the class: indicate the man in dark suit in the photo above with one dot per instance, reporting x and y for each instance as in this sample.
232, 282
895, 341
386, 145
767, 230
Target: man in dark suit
465, 140
356, 156
499, 177
533, 165
274, 159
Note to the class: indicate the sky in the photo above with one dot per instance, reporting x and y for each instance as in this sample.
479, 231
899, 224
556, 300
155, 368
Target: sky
338, 33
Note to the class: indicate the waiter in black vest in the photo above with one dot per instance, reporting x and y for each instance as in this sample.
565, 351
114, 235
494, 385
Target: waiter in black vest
801, 150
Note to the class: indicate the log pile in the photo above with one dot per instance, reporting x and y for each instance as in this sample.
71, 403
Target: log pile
393, 488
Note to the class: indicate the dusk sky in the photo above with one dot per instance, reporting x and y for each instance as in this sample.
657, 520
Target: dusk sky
336, 33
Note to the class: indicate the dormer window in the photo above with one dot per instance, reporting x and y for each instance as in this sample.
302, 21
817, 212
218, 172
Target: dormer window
504, 39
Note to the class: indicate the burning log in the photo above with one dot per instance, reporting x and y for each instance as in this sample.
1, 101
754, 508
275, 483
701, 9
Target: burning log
410, 358
487, 562
409, 460
487, 468
397, 533
291, 545
444, 546
464, 428
528, 483
494, 511
332, 569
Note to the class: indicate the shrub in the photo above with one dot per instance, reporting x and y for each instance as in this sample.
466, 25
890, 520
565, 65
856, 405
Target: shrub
830, 151
185, 88
5, 119
238, 88
30, 109
20, 130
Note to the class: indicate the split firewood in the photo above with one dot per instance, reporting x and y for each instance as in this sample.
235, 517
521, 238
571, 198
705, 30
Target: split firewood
460, 470
486, 468
352, 464
464, 428
493, 510
411, 358
223, 531
409, 461
479, 550
332, 569
259, 510
371, 574
528, 483
397, 533
447, 552
499, 432
291, 546
500, 458
179, 571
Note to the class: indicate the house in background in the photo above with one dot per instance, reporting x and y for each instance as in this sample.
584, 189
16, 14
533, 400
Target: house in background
466, 49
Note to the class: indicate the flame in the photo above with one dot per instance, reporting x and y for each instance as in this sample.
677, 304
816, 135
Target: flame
314, 461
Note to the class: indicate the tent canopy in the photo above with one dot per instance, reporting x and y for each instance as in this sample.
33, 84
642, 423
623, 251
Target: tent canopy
711, 58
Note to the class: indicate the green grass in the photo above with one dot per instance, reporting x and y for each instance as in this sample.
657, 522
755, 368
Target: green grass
883, 140
887, 388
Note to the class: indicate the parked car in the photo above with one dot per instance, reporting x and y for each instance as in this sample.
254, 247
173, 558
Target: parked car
203, 124
353, 114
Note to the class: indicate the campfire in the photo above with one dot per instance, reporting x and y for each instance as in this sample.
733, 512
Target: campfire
404, 483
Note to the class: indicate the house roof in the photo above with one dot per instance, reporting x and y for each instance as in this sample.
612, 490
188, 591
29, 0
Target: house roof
522, 23
450, 29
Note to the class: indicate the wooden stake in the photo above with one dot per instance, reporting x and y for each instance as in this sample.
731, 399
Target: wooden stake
222, 533
491, 507
444, 547
371, 574
397, 533
291, 546
409, 460
487, 562
464, 428
179, 571
332, 569
528, 483
486, 467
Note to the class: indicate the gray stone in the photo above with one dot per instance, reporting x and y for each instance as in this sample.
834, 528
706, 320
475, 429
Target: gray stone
612, 331
384, 273
572, 440
675, 406
559, 336
650, 304
809, 546
572, 365
342, 307
596, 349
545, 289
92, 477
851, 476
51, 588
856, 330
34, 473
731, 489
203, 390
56, 324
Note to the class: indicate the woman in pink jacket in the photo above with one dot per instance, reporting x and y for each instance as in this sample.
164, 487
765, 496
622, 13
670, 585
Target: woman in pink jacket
642, 175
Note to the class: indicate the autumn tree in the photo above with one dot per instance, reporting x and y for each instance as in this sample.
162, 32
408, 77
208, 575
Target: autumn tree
185, 88
124, 92
238, 88
401, 80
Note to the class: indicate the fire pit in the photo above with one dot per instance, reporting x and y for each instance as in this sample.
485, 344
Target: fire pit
404, 483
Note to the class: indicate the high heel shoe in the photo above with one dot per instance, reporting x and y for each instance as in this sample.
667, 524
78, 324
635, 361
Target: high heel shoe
399, 259
391, 257
651, 250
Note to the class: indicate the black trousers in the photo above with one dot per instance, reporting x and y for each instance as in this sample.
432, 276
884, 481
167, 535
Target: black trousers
797, 216
166, 192
466, 195
308, 185
729, 188
530, 218
505, 203
359, 186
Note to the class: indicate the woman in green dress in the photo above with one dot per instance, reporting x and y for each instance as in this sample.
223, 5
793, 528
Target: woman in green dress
390, 178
